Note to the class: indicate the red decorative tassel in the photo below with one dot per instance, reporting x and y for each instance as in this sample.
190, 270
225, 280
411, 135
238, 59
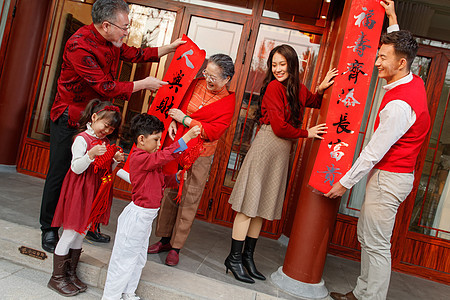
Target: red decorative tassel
186, 160
104, 161
102, 200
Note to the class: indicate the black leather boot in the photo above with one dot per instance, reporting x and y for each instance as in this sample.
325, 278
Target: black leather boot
59, 281
72, 270
247, 258
234, 262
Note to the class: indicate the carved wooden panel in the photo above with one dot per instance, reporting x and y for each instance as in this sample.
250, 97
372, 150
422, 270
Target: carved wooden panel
427, 255
34, 158
225, 216
344, 234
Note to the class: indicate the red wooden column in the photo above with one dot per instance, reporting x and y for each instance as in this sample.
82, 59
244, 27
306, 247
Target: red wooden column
301, 273
19, 73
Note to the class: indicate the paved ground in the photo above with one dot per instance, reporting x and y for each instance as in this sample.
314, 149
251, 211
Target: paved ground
199, 275
22, 282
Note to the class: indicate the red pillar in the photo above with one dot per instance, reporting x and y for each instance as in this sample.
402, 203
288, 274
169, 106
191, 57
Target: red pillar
315, 214
19, 73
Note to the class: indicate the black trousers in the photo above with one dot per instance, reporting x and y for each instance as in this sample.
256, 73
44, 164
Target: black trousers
61, 138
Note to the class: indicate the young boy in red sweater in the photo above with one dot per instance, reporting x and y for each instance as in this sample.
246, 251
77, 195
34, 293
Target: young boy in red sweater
134, 225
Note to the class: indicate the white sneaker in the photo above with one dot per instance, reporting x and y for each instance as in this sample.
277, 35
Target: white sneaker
130, 297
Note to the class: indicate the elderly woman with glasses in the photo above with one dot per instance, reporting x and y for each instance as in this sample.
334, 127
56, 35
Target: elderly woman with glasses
209, 104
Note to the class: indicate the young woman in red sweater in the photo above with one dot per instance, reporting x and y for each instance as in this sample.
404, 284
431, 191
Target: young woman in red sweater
260, 187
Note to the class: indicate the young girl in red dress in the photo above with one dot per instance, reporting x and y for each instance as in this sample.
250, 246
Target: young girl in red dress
99, 121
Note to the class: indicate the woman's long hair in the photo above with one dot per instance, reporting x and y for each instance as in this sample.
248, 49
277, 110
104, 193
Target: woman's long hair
292, 83
97, 106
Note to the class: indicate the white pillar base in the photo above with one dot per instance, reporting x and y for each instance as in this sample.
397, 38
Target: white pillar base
298, 288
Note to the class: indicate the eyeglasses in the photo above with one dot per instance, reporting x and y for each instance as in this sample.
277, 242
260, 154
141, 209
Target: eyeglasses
209, 77
126, 28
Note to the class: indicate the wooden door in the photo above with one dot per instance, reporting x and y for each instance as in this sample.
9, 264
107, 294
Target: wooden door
7, 12
421, 236
237, 142
217, 32
421, 240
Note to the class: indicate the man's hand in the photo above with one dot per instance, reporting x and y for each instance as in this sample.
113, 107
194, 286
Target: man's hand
148, 83
153, 84
337, 190
174, 45
389, 7
163, 50
327, 81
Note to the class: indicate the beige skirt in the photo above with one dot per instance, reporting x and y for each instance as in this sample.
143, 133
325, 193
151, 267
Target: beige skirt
261, 183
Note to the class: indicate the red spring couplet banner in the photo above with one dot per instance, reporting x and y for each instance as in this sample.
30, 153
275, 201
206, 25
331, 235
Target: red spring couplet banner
186, 62
349, 94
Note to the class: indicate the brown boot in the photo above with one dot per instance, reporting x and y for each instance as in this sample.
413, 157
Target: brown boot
59, 281
72, 270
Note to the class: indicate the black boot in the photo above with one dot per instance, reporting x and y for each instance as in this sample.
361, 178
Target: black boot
59, 281
234, 262
72, 270
247, 258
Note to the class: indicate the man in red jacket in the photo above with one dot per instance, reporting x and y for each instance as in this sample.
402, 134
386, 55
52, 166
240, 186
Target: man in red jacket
90, 62
401, 127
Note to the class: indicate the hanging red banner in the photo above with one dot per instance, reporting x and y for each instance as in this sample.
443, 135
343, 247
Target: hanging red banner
348, 97
186, 62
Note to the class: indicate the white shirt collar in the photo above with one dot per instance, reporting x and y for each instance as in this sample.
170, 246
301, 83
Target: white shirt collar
402, 80
89, 130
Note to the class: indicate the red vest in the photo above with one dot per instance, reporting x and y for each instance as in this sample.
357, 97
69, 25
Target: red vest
402, 156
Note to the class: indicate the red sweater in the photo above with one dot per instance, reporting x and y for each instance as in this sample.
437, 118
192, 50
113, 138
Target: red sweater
147, 179
276, 112
215, 119
88, 69
402, 156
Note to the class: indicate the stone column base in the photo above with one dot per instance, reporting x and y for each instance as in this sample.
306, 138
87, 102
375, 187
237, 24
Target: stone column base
298, 288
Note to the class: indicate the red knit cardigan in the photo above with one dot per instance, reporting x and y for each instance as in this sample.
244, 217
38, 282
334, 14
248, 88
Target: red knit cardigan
215, 119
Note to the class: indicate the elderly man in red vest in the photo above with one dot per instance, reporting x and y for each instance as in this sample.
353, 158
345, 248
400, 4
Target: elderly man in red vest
401, 126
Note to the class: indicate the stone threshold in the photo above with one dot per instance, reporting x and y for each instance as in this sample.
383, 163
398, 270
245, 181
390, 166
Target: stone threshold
157, 281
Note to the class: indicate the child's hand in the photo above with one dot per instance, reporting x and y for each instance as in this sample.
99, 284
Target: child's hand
192, 133
179, 175
97, 150
119, 156
172, 129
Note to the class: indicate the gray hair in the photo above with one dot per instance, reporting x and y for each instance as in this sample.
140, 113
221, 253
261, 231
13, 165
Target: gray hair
224, 62
106, 10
